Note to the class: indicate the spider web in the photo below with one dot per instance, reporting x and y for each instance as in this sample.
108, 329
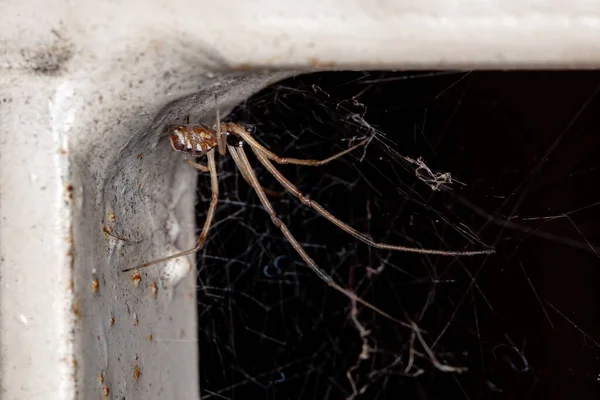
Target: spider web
457, 161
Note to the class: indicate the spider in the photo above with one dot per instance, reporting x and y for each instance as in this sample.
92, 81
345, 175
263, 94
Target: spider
197, 140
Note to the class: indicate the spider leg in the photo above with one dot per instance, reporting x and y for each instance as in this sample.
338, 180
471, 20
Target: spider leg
347, 228
248, 138
221, 136
237, 161
201, 167
212, 167
240, 159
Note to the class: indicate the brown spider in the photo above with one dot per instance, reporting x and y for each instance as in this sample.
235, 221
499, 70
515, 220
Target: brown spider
197, 140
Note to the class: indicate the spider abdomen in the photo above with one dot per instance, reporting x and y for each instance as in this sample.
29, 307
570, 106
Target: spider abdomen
194, 140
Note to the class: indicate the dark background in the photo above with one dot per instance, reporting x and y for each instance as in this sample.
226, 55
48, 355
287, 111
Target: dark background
522, 149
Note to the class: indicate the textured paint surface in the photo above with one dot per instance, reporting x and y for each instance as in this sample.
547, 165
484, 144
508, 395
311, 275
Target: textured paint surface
98, 190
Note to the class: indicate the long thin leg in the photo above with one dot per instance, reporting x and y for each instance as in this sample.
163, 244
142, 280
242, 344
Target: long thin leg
270, 192
345, 227
240, 159
212, 167
221, 136
201, 167
248, 138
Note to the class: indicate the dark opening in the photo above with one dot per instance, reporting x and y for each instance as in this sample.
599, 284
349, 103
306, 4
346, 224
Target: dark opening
521, 149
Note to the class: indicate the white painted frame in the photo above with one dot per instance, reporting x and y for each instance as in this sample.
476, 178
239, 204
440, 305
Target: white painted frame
85, 91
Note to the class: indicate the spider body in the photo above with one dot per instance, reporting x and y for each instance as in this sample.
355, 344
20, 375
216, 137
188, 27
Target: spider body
194, 140
200, 140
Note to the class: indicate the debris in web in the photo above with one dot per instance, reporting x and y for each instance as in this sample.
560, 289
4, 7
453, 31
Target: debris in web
435, 180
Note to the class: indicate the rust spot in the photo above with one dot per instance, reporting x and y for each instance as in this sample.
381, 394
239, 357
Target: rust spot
105, 391
154, 289
137, 321
150, 337
139, 186
62, 151
242, 67
139, 156
111, 321
71, 285
95, 285
136, 277
76, 310
101, 377
315, 62
69, 189
108, 224
137, 372
75, 369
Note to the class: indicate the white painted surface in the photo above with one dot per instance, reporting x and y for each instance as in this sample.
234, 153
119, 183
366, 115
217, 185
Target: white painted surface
84, 89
